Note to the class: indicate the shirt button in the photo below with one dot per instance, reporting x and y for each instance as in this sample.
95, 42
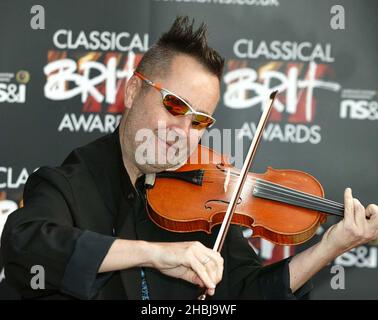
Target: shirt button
130, 196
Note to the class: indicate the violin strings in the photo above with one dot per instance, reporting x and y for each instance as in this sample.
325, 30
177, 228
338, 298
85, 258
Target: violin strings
296, 199
300, 193
293, 196
268, 191
286, 188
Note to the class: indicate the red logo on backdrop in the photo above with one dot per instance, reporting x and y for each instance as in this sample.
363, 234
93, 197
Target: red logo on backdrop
97, 78
297, 82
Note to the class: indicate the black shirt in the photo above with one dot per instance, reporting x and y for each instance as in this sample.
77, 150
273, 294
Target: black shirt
73, 213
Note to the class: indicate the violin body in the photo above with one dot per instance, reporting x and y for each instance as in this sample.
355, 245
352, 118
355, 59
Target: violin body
181, 206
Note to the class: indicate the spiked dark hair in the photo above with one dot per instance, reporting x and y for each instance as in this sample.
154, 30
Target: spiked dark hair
181, 38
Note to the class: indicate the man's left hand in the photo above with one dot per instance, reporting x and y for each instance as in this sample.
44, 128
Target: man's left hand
359, 226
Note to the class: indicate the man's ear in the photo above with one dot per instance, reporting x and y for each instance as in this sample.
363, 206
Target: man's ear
131, 90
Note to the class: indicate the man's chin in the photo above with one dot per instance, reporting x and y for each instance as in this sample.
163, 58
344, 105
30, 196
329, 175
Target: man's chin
155, 167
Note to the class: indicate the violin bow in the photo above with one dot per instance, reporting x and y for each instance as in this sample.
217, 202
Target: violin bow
241, 180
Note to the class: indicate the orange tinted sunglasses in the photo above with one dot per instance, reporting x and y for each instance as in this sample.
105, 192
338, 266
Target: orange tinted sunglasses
177, 106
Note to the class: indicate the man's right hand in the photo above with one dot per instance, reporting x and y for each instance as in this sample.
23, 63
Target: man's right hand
190, 261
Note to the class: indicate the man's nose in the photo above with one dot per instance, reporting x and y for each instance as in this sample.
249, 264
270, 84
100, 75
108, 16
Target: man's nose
184, 123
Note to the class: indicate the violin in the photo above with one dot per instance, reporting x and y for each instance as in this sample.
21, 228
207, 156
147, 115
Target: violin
283, 206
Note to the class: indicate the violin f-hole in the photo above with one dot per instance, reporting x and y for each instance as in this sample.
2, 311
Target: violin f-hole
207, 207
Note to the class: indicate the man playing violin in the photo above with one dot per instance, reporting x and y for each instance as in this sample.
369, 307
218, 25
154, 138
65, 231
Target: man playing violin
85, 222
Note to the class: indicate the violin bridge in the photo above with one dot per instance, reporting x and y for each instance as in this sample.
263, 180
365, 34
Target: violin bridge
227, 180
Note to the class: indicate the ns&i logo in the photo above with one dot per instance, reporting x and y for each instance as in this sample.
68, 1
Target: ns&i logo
13, 90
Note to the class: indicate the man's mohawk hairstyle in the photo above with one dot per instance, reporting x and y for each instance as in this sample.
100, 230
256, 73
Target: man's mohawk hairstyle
183, 38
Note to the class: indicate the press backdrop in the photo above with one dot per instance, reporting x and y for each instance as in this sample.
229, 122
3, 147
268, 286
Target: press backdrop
62, 87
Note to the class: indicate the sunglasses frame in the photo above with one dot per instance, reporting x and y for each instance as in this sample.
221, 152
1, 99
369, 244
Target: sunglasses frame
164, 92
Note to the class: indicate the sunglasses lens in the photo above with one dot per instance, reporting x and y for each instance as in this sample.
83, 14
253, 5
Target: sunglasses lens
177, 107
201, 121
